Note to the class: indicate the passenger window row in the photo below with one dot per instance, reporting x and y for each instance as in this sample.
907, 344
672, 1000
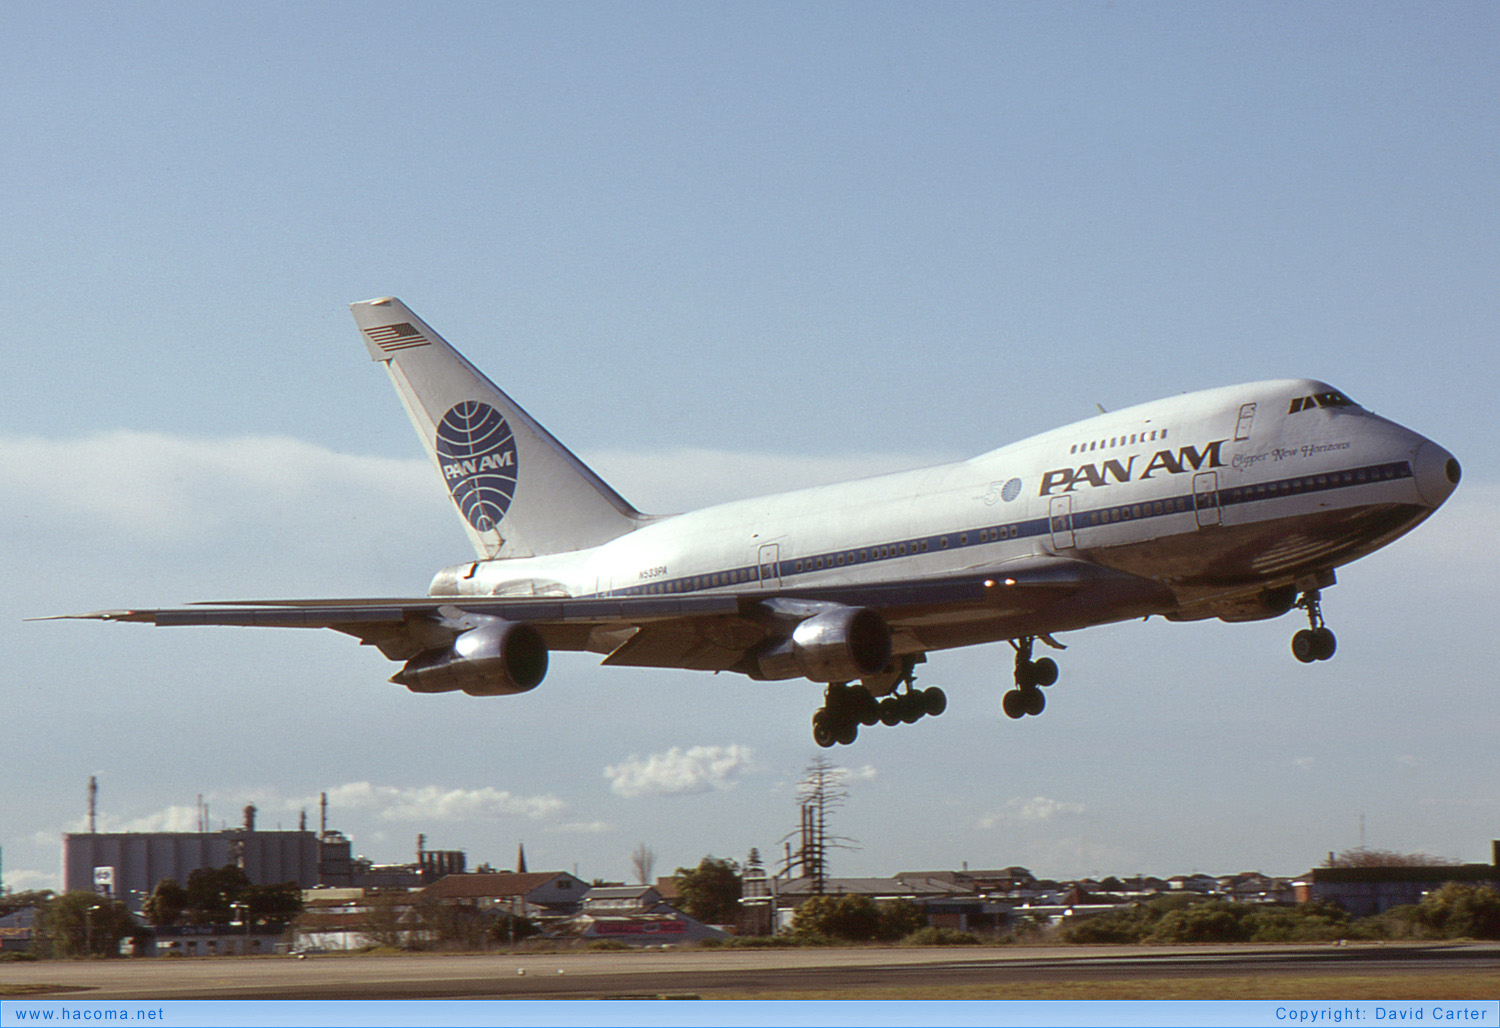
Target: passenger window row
1118, 440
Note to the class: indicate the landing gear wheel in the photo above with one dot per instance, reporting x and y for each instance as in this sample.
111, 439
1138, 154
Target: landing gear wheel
890, 712
847, 706
1315, 642
1303, 646
822, 726
1034, 700
1031, 677
934, 701
1324, 644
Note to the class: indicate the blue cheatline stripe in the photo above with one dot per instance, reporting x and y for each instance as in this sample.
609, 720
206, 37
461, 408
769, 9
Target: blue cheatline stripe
1079, 520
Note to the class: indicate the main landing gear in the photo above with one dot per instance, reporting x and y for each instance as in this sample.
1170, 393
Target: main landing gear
1031, 677
846, 707
1315, 642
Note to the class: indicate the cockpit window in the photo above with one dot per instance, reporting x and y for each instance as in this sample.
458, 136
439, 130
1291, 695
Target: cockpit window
1329, 399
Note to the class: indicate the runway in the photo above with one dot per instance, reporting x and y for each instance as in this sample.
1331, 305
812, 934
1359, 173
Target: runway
764, 974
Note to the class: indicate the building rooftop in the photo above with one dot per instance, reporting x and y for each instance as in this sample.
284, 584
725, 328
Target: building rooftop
492, 886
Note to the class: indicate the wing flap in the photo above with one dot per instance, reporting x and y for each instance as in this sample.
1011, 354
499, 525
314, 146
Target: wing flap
702, 644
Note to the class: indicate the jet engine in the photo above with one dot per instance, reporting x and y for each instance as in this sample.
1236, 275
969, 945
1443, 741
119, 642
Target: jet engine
495, 658
838, 645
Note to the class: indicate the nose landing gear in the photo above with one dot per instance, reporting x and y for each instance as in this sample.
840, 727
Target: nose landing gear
1031, 676
1316, 642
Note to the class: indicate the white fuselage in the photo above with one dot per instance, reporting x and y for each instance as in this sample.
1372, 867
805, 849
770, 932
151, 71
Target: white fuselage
1213, 495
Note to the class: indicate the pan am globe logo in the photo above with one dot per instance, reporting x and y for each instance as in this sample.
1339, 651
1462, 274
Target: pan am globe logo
477, 452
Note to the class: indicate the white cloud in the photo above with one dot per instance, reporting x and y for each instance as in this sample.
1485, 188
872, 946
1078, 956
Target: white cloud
1030, 809
385, 803
583, 827
176, 818
160, 486
678, 771
157, 487
26, 881
438, 803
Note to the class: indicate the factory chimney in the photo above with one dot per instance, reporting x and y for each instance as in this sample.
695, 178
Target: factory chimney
93, 800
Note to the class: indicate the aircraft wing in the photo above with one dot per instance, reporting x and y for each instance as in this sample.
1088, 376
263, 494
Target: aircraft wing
404, 627
701, 631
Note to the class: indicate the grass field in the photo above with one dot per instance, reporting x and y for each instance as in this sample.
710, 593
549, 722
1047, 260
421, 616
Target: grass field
1310, 987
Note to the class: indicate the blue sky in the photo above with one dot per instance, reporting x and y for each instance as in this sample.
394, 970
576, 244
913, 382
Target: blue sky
717, 250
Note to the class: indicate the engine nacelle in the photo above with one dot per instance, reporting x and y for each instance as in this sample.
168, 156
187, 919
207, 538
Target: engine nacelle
837, 645
496, 658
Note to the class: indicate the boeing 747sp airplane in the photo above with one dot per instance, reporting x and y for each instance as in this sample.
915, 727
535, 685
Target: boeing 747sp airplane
1235, 503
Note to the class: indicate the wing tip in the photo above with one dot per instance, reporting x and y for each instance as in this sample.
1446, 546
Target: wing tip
98, 615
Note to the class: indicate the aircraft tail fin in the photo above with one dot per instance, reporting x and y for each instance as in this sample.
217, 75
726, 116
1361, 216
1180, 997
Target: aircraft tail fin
519, 491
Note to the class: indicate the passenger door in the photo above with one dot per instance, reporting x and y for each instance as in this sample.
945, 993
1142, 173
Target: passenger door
1061, 521
1206, 498
769, 559
1247, 419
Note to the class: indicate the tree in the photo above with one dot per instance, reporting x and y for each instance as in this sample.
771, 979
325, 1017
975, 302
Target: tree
212, 892
1306, 922
899, 919
508, 928
1459, 910
711, 891
642, 862
857, 919
385, 919
1195, 919
853, 918
82, 924
272, 904
10, 902
454, 925
1127, 924
166, 903
1215, 921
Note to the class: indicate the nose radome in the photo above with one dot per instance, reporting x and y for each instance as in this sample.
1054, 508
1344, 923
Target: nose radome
1437, 473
